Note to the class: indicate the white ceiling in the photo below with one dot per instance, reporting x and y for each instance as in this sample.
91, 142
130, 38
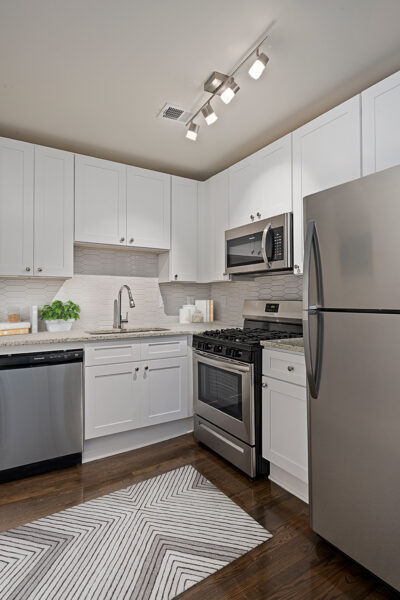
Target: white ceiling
91, 75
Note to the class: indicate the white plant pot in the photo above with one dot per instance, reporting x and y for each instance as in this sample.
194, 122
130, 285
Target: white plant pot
59, 325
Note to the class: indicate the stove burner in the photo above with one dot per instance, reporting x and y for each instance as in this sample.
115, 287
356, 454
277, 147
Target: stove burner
247, 336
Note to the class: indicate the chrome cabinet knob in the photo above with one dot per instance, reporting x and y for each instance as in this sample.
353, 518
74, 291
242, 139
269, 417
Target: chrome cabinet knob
27, 269
297, 268
146, 368
290, 368
131, 240
176, 276
252, 217
136, 369
40, 269
264, 385
122, 239
258, 214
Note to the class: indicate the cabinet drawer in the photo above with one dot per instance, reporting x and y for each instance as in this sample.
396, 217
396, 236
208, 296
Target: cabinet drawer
164, 347
287, 366
112, 352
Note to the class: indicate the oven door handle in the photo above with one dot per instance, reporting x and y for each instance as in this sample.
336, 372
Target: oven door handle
263, 245
222, 363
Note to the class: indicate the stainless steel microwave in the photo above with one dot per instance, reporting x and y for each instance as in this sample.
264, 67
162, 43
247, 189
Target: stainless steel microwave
260, 247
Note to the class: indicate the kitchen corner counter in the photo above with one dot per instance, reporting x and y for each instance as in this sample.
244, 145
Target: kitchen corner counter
287, 345
80, 335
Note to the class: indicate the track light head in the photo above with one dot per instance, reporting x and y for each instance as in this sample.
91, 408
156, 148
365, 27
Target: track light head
258, 65
192, 131
209, 114
228, 90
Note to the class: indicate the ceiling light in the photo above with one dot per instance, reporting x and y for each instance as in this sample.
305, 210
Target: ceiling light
192, 131
258, 65
209, 114
229, 90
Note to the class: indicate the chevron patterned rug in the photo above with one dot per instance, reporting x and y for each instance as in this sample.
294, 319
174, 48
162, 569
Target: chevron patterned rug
150, 541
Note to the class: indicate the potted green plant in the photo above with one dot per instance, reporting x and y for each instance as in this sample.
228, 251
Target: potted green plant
59, 316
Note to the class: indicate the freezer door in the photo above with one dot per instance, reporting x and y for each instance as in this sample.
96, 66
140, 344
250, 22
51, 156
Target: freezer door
354, 440
356, 226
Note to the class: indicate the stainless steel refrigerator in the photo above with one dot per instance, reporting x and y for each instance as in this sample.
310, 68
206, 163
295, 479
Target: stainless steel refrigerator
352, 347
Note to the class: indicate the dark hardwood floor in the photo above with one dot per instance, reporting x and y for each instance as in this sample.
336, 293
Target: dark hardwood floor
294, 564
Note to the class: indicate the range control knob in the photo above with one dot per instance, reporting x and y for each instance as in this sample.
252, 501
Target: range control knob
217, 348
237, 353
207, 346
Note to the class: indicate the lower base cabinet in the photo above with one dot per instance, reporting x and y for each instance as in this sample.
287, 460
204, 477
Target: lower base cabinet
125, 396
284, 422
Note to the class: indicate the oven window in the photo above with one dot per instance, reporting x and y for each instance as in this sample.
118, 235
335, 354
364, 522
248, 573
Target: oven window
220, 389
245, 250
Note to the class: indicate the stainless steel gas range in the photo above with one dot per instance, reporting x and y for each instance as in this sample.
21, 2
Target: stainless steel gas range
227, 367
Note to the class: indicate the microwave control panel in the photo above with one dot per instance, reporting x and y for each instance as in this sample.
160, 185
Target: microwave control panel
277, 244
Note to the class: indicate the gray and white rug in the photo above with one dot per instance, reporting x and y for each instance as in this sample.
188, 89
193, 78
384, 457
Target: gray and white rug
152, 541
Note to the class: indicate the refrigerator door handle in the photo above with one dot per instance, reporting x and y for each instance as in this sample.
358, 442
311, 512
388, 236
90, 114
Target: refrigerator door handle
313, 379
311, 244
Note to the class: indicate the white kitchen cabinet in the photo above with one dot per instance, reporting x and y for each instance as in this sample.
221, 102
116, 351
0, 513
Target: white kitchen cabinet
165, 390
100, 201
326, 152
113, 397
54, 213
260, 186
213, 221
381, 125
16, 207
284, 426
180, 264
148, 209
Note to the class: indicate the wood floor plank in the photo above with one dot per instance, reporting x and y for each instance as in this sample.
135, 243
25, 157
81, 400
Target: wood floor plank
295, 564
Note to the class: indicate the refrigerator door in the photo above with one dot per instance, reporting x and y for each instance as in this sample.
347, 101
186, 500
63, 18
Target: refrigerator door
354, 440
356, 226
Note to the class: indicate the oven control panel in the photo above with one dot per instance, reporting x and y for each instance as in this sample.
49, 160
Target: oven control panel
228, 350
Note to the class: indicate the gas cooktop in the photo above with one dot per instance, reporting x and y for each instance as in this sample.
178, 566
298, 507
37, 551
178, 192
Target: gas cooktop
248, 335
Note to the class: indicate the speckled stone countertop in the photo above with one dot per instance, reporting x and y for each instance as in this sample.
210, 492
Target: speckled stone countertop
290, 345
79, 335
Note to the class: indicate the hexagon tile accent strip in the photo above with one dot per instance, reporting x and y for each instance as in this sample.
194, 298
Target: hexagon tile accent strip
152, 540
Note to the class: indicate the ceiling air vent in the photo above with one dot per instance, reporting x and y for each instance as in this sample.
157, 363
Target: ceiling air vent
174, 113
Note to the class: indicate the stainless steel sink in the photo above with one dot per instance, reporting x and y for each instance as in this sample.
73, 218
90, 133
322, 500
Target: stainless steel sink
125, 330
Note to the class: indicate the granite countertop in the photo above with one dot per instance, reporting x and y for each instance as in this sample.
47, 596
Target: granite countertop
287, 345
80, 335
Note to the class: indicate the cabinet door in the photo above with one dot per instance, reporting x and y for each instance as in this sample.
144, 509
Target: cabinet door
273, 179
381, 125
54, 213
284, 426
100, 201
113, 396
206, 234
16, 207
183, 254
165, 386
148, 208
326, 152
242, 198
219, 200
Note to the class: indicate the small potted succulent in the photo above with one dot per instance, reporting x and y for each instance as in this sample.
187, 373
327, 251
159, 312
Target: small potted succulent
59, 316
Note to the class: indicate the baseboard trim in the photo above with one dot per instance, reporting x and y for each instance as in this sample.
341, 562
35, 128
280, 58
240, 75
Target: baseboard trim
289, 483
125, 441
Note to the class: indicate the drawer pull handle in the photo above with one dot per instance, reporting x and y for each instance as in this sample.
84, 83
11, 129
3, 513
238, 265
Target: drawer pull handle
290, 368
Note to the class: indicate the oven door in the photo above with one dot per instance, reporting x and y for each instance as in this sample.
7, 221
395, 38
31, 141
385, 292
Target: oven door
224, 394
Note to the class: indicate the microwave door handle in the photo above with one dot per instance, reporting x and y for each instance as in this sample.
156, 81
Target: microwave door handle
263, 245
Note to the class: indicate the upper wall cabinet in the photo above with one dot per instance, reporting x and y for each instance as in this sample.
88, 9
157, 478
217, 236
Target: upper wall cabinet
326, 152
260, 186
16, 207
213, 221
381, 125
180, 264
54, 213
100, 201
36, 210
148, 208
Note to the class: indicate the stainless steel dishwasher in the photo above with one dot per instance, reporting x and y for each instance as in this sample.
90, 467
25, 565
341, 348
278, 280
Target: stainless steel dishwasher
41, 412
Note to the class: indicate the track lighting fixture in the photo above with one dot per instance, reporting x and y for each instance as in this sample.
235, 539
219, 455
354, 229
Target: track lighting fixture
209, 114
258, 66
229, 89
192, 131
225, 86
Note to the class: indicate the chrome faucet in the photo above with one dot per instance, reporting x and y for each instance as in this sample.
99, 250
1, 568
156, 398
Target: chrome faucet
118, 320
